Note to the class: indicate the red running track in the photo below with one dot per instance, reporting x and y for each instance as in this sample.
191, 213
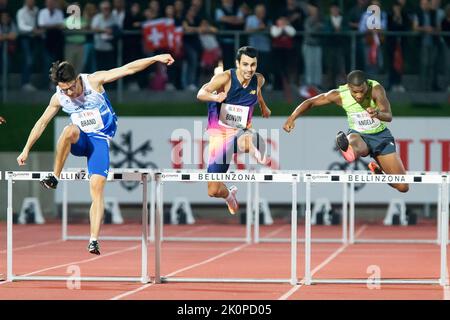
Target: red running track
38, 250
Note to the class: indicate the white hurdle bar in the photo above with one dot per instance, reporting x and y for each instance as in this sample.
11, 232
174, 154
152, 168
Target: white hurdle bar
65, 208
370, 178
342, 239
238, 176
72, 176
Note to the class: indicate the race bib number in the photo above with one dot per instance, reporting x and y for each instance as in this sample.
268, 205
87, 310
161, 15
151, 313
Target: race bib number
363, 121
233, 116
88, 121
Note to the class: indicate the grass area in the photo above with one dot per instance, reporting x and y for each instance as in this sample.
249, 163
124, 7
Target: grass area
21, 118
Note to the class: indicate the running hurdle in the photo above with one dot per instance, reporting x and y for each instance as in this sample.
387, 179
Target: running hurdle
249, 203
238, 176
352, 238
72, 176
343, 239
348, 215
65, 208
443, 216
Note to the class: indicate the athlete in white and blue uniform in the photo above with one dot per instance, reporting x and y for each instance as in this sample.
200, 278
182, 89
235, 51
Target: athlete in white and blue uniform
93, 114
94, 123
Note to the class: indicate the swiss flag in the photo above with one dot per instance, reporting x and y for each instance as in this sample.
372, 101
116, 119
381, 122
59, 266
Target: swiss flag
175, 39
163, 34
155, 34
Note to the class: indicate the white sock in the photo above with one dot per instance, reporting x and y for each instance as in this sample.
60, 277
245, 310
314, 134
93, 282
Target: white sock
92, 239
228, 198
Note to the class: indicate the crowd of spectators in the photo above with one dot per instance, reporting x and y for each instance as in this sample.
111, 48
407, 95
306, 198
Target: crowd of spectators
303, 43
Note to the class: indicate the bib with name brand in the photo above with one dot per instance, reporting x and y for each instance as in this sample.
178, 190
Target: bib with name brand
233, 116
88, 121
363, 122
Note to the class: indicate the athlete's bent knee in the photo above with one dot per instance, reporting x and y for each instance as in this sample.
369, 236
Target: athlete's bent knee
244, 145
70, 132
403, 188
213, 191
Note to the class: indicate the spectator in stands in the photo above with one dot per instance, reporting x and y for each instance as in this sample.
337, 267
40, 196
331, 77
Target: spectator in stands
105, 25
174, 74
119, 12
373, 40
133, 43
440, 16
8, 35
335, 47
245, 9
260, 24
200, 8
353, 18
27, 25
178, 6
425, 22
296, 17
3, 5
228, 17
398, 20
192, 49
211, 52
282, 52
440, 13
153, 11
74, 44
51, 19
89, 59
312, 47
445, 27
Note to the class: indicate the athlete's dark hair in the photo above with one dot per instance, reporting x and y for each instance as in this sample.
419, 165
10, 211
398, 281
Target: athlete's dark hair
356, 78
62, 72
248, 51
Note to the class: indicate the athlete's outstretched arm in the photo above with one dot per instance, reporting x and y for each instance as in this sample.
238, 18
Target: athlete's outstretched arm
2, 120
39, 128
102, 77
262, 104
331, 96
383, 112
209, 90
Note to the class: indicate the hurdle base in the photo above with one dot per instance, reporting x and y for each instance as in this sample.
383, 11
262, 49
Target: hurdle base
223, 280
378, 281
204, 239
318, 240
110, 238
405, 241
69, 278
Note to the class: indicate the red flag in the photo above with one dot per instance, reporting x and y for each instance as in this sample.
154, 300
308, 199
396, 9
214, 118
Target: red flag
175, 39
398, 58
155, 34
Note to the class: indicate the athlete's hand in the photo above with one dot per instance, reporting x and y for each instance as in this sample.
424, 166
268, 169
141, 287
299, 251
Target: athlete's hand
289, 125
373, 113
22, 158
164, 58
220, 97
219, 68
266, 112
2, 120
